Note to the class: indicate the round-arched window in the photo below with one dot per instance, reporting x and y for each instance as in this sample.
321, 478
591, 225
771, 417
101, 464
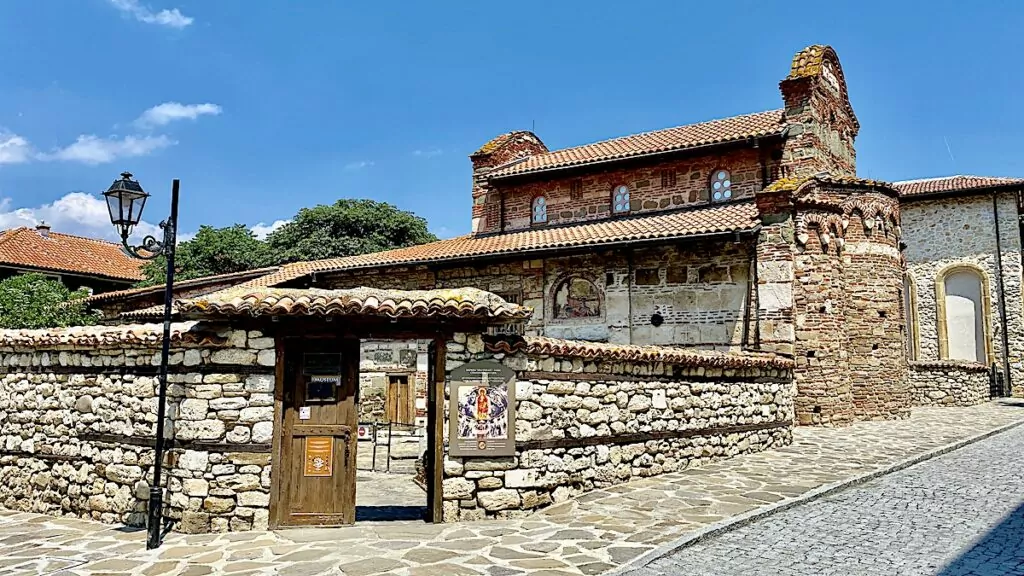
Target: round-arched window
620, 199
721, 185
540, 210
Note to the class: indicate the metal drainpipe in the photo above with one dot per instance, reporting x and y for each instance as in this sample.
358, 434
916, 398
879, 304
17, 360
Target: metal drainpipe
1002, 297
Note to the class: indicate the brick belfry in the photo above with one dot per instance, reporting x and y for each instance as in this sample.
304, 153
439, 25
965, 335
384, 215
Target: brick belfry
830, 270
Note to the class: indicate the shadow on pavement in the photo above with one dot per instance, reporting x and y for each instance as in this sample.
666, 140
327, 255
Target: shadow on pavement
389, 513
1000, 552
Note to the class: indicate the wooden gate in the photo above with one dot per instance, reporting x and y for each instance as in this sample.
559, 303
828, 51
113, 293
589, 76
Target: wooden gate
318, 443
401, 407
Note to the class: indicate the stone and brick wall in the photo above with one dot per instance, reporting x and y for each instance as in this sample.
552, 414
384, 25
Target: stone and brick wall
700, 294
590, 422
949, 383
78, 419
952, 231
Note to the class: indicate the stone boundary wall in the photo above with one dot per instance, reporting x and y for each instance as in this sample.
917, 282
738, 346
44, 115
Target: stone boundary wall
584, 423
78, 420
949, 383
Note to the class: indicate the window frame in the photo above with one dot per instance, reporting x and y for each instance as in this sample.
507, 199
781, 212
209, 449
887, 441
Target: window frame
629, 198
533, 210
713, 178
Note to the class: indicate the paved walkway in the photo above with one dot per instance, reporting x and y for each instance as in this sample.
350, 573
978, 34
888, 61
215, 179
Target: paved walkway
599, 532
961, 514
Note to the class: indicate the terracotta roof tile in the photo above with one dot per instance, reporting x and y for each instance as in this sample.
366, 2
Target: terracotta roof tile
456, 303
633, 353
731, 217
808, 61
669, 139
791, 183
193, 283
953, 184
25, 247
141, 335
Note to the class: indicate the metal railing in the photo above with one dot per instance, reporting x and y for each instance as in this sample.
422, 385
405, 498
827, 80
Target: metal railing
380, 439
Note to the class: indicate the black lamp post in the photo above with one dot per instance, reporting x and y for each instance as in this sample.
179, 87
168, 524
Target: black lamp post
125, 200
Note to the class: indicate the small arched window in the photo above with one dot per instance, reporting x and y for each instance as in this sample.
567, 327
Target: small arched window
721, 185
620, 199
540, 210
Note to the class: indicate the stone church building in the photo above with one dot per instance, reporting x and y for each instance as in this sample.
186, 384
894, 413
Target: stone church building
751, 232
645, 304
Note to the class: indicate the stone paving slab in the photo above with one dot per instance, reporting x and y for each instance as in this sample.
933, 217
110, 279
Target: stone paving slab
596, 533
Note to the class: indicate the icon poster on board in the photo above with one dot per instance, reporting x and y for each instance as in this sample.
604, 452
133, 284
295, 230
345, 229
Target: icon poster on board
482, 410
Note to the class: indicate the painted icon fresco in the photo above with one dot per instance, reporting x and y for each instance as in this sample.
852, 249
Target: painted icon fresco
482, 415
577, 297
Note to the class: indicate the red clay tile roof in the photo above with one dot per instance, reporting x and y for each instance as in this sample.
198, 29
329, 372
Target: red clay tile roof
732, 217
670, 139
953, 184
191, 284
24, 247
544, 346
808, 61
791, 183
455, 303
140, 335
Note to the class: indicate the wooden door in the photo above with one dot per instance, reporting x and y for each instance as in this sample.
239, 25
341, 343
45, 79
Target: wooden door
318, 442
400, 403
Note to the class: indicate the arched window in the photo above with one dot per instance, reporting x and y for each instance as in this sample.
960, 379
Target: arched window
961, 295
620, 199
540, 210
721, 185
910, 317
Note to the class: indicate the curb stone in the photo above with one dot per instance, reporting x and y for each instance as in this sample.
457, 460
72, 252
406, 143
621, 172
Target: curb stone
741, 520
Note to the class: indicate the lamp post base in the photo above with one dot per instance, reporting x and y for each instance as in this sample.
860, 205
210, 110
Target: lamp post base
155, 520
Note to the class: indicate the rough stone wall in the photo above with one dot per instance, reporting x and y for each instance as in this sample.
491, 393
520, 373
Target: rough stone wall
949, 383
822, 345
611, 414
874, 315
655, 187
701, 292
77, 426
944, 232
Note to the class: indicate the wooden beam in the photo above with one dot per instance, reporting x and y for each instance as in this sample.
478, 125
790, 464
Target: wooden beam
435, 424
277, 468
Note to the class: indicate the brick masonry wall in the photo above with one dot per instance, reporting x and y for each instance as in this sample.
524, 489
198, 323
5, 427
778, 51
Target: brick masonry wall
562, 398
655, 187
949, 383
69, 417
941, 233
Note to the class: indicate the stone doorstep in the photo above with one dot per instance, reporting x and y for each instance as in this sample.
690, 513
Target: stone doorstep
741, 520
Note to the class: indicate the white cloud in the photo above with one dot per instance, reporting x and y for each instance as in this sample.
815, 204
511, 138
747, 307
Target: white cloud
172, 18
359, 165
428, 153
262, 230
90, 149
168, 112
75, 213
14, 149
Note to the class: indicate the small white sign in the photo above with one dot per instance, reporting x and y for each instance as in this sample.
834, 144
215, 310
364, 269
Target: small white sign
304, 413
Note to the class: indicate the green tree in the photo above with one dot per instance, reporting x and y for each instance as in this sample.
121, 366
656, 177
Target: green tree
35, 301
212, 251
346, 228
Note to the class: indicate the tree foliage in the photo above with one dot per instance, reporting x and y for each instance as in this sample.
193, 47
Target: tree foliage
35, 301
212, 251
346, 228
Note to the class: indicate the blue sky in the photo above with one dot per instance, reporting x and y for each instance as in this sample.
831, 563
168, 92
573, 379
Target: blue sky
263, 107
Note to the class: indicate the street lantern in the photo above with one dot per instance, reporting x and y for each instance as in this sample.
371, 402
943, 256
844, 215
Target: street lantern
125, 201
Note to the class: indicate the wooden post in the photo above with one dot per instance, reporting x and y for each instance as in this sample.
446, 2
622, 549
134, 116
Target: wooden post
277, 469
435, 422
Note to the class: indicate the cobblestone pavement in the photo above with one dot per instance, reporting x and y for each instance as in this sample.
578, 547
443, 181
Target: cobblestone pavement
961, 514
598, 532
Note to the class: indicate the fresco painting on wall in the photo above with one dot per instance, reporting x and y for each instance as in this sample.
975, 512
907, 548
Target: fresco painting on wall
577, 297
